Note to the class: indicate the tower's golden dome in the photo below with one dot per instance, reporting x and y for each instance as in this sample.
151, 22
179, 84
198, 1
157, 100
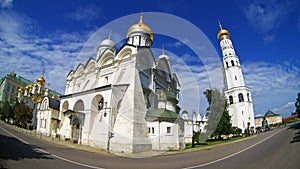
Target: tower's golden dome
223, 33
138, 26
41, 80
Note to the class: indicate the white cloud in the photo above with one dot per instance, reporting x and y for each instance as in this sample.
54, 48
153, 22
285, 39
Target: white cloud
272, 85
268, 38
286, 109
85, 14
264, 15
6, 3
28, 53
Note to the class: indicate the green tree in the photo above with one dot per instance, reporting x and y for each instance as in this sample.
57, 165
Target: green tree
218, 117
23, 114
297, 105
7, 112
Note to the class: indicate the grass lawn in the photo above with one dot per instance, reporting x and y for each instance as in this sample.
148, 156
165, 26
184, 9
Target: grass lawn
212, 143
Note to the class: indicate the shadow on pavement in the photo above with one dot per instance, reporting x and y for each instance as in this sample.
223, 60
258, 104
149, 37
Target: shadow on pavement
296, 138
13, 149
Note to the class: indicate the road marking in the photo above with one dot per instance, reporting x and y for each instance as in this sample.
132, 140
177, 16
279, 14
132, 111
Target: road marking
231, 155
53, 155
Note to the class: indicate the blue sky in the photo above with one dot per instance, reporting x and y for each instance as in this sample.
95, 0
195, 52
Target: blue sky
37, 35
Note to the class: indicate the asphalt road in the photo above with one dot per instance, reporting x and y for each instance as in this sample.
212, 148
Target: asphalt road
276, 149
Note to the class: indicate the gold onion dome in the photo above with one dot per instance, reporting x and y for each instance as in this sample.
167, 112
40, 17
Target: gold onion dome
41, 80
27, 87
20, 90
223, 32
138, 26
47, 90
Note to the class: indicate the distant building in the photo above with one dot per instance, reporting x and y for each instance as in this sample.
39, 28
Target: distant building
270, 117
9, 86
196, 124
32, 95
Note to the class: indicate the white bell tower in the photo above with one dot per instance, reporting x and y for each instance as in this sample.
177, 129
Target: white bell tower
240, 105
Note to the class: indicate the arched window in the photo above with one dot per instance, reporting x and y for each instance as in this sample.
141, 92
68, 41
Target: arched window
232, 62
230, 100
98, 103
227, 65
79, 106
241, 97
248, 97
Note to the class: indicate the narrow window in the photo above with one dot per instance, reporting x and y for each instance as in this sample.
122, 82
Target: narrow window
232, 63
149, 130
230, 100
168, 130
241, 97
235, 77
227, 65
152, 130
248, 97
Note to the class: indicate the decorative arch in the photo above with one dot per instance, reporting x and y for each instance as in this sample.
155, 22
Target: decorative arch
45, 104
79, 106
97, 103
79, 70
125, 52
241, 97
90, 65
65, 106
106, 59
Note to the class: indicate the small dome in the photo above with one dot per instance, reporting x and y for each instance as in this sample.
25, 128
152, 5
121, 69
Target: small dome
140, 27
223, 32
107, 43
20, 90
41, 81
47, 90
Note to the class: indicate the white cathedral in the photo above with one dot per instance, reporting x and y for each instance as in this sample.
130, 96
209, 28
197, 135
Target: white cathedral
123, 100
238, 95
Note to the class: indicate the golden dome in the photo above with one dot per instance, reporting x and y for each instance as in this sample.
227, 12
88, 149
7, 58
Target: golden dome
41, 80
140, 25
47, 90
20, 90
223, 32
27, 87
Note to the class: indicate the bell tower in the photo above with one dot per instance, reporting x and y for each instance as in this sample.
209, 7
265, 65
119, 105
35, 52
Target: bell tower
238, 95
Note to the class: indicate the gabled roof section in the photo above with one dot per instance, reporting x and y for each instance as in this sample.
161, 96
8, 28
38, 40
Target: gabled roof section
162, 113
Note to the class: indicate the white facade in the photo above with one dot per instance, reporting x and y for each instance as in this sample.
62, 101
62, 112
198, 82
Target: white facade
48, 116
113, 101
240, 105
196, 124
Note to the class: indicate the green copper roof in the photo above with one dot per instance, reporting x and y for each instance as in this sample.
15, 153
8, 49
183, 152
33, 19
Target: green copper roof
162, 113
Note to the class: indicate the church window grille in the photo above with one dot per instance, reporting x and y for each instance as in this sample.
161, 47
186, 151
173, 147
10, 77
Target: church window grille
230, 100
232, 62
241, 97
